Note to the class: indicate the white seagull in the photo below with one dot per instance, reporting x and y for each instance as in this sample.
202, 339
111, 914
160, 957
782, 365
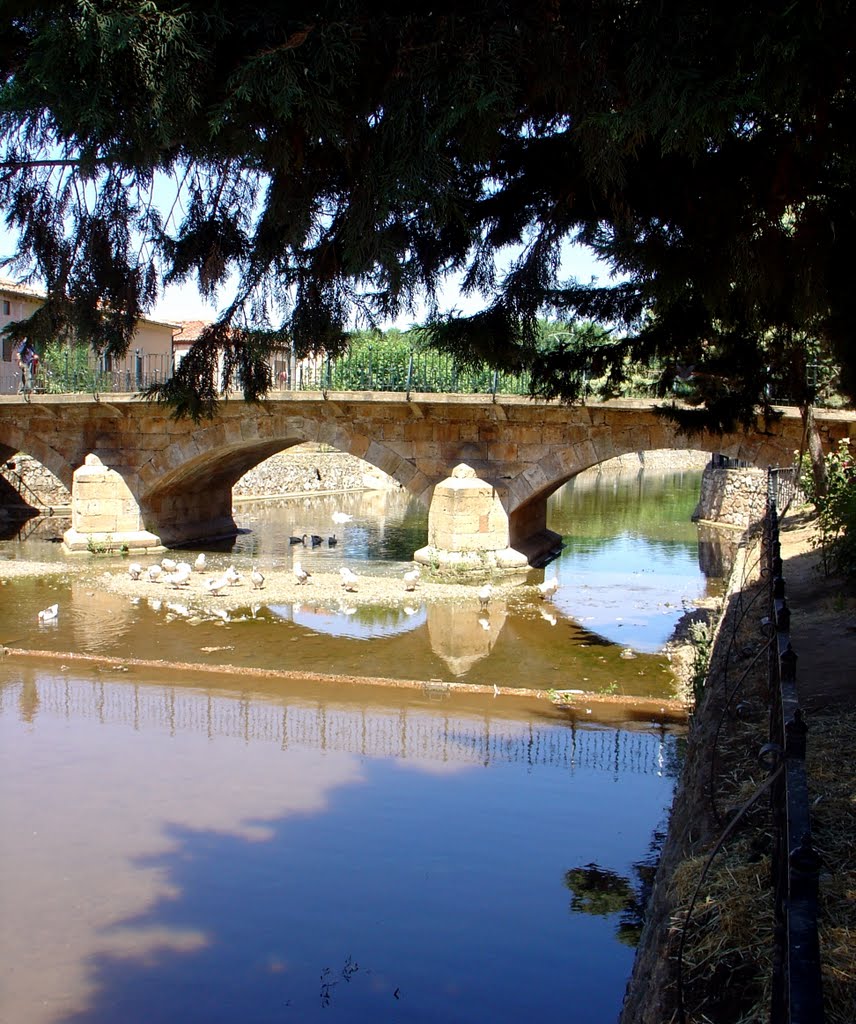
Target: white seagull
341, 517
349, 579
300, 574
180, 578
154, 572
199, 564
48, 614
411, 579
485, 594
215, 586
135, 570
257, 578
548, 588
168, 564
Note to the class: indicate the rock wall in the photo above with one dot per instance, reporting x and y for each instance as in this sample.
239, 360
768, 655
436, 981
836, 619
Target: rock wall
663, 460
732, 497
40, 487
311, 469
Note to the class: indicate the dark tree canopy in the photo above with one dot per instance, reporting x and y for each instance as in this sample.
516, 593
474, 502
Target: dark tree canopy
343, 157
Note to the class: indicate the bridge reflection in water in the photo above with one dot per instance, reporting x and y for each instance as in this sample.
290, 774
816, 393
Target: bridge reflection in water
411, 733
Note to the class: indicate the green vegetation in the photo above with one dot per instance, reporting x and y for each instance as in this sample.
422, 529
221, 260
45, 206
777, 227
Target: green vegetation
836, 511
68, 368
702, 640
339, 164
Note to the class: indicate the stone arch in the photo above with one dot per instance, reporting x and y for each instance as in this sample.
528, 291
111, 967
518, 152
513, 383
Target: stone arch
15, 439
222, 452
185, 491
530, 488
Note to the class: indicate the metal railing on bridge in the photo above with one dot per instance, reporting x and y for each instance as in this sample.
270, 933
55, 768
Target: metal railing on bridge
428, 372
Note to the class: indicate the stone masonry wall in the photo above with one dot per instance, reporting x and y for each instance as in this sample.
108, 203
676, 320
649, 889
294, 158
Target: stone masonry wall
37, 481
663, 460
311, 468
314, 468
735, 497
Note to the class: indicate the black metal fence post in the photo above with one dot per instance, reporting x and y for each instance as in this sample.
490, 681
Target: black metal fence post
797, 993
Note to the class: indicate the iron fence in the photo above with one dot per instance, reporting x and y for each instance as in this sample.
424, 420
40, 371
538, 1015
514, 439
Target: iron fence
797, 996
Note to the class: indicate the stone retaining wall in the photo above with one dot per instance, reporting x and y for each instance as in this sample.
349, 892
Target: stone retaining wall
37, 481
663, 460
312, 468
732, 497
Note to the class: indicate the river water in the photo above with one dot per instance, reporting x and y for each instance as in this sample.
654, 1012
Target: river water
234, 846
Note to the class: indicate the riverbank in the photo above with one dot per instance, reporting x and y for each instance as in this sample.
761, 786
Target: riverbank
724, 972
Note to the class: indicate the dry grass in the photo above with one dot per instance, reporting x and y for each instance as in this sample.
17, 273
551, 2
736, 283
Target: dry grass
832, 790
727, 954
727, 964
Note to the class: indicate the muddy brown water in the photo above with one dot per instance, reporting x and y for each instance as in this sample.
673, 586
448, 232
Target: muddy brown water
181, 846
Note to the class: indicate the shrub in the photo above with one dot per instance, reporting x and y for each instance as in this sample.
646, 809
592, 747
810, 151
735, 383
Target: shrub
836, 512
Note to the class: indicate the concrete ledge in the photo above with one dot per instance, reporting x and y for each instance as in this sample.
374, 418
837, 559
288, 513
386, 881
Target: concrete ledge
75, 542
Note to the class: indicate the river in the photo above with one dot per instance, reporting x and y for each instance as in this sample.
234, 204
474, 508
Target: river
241, 846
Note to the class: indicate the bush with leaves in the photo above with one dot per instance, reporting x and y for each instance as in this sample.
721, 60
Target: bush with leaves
836, 511
68, 368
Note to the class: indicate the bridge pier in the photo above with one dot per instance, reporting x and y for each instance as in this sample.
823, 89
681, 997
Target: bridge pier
192, 516
468, 527
104, 513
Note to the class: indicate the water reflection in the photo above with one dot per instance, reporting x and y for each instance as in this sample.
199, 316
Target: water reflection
360, 623
631, 559
629, 566
231, 854
462, 636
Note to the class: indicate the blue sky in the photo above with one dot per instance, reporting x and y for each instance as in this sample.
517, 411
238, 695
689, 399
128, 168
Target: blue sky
183, 302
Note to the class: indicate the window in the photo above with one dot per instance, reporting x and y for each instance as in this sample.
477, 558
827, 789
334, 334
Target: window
7, 350
7, 307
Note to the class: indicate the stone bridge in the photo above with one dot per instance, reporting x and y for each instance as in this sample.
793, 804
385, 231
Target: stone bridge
484, 467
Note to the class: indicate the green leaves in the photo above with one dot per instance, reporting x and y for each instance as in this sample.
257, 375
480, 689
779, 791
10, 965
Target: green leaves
333, 161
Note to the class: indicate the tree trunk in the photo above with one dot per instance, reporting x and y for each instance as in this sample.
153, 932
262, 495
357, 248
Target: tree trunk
815, 450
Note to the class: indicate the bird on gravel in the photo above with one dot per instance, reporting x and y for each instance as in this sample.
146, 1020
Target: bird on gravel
184, 567
135, 570
548, 588
154, 572
215, 586
300, 574
257, 578
199, 564
485, 594
168, 564
411, 578
349, 579
180, 578
233, 576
